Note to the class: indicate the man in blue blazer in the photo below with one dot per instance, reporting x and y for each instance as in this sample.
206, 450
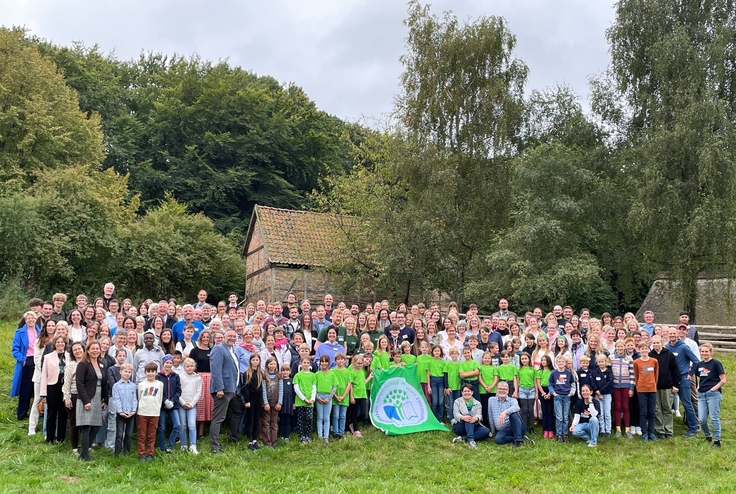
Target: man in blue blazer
224, 383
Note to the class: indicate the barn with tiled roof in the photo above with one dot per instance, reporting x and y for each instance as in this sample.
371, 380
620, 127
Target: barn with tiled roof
284, 251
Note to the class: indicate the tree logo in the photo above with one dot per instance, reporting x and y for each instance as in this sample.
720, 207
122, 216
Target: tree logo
399, 404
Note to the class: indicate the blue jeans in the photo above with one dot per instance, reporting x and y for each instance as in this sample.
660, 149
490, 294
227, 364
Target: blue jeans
339, 412
709, 404
513, 433
562, 408
188, 422
605, 419
588, 432
437, 385
471, 432
684, 393
323, 416
647, 409
172, 414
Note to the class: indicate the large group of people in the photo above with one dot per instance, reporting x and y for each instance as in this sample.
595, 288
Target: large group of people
103, 369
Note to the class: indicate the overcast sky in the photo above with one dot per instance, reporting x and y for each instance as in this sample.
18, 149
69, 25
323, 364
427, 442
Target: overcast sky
344, 53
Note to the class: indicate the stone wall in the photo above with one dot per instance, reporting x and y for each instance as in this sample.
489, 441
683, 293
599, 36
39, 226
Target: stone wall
716, 302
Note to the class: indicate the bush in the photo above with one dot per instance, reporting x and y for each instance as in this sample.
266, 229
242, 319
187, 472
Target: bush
13, 300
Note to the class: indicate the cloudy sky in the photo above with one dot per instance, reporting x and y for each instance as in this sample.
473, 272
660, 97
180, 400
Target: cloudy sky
344, 53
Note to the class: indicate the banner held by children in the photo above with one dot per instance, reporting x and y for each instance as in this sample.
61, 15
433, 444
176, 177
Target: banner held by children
398, 405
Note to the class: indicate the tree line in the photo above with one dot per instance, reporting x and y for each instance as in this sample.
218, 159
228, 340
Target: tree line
480, 191
145, 171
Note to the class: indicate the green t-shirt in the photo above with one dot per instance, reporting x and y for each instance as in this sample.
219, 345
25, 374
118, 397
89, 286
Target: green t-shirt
408, 359
422, 366
469, 366
506, 372
305, 381
526, 376
352, 342
437, 367
487, 373
325, 382
453, 375
357, 377
543, 376
342, 378
382, 361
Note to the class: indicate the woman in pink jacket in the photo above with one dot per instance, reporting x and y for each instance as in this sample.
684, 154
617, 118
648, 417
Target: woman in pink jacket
52, 380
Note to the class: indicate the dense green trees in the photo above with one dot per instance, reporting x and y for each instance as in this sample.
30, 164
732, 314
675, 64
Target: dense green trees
65, 225
472, 188
217, 138
674, 69
41, 127
486, 195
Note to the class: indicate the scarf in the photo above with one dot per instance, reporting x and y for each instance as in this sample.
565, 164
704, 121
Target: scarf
282, 343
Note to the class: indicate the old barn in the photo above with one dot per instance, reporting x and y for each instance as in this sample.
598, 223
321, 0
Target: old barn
285, 251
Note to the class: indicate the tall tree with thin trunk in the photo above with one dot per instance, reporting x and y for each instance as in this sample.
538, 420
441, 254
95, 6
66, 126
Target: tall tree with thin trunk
671, 97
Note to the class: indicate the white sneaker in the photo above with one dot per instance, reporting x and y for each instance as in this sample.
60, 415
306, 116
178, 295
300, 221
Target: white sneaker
678, 414
458, 439
637, 431
75, 451
193, 450
184, 447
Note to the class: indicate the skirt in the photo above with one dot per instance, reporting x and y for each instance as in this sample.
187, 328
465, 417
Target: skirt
93, 416
205, 405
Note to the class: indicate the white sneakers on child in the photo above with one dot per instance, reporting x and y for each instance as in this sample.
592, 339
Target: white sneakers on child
193, 450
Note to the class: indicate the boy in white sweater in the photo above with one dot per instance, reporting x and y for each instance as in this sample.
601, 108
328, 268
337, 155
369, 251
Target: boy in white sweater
150, 397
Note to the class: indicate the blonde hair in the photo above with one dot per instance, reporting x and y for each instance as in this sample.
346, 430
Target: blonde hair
189, 361
128, 366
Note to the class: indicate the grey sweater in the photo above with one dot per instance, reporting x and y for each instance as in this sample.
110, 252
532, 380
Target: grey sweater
459, 408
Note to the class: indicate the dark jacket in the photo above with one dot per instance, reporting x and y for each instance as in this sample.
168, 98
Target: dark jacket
602, 380
87, 382
172, 388
252, 392
669, 373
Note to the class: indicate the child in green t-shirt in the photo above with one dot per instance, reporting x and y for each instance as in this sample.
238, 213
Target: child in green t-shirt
541, 381
396, 358
437, 378
469, 370
305, 389
527, 391
381, 357
453, 374
358, 409
487, 380
406, 356
342, 395
422, 363
326, 389
507, 372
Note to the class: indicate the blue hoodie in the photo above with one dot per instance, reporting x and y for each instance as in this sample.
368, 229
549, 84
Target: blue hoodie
683, 356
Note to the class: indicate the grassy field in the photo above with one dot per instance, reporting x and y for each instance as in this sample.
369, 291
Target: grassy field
376, 463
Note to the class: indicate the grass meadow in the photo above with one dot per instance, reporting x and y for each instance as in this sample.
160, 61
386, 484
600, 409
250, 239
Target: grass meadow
375, 463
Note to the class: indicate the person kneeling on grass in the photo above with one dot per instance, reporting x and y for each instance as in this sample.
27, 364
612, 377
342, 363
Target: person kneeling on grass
467, 414
504, 418
585, 422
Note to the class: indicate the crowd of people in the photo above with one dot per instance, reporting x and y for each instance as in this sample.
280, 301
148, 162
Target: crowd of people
103, 369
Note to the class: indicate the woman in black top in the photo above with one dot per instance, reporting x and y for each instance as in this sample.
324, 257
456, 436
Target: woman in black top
91, 396
201, 356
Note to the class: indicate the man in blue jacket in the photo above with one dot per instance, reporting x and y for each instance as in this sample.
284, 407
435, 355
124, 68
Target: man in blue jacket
686, 362
224, 383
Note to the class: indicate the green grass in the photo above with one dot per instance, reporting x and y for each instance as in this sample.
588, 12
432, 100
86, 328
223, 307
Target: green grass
376, 463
